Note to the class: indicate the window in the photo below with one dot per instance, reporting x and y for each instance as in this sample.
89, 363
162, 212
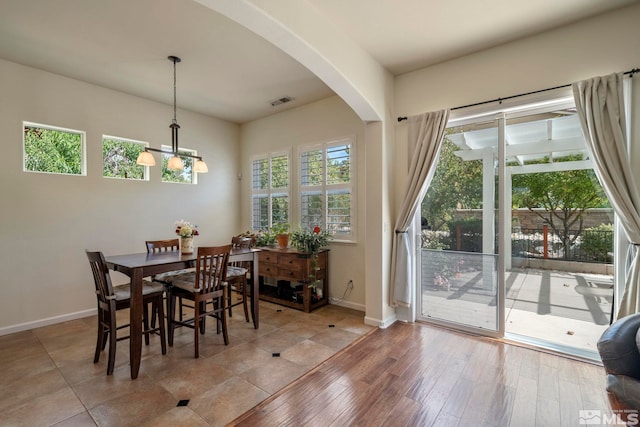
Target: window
119, 157
326, 188
186, 175
270, 190
50, 149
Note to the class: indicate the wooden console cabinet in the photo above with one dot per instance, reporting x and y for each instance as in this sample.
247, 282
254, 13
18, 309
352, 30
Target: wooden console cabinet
292, 270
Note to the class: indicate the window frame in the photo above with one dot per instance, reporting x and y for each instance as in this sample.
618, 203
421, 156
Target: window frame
269, 193
326, 189
145, 173
83, 147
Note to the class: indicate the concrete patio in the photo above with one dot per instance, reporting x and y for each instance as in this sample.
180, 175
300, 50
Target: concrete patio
562, 310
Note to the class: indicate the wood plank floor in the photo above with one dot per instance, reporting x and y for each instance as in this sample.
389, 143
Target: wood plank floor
421, 375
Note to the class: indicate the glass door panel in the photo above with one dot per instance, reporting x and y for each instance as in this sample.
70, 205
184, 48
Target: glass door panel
459, 274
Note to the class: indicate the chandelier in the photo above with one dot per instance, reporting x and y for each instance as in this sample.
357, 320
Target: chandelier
175, 162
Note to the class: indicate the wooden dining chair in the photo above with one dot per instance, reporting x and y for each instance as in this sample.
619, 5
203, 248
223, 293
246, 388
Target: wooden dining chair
157, 246
206, 289
113, 298
237, 277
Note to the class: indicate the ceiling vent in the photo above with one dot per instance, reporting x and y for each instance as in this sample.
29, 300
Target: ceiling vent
280, 101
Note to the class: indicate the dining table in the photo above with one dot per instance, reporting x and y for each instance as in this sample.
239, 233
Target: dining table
140, 265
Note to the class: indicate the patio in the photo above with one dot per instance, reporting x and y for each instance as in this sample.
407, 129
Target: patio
562, 309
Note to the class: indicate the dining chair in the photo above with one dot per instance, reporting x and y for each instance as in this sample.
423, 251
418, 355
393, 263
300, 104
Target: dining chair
237, 277
206, 289
157, 246
113, 298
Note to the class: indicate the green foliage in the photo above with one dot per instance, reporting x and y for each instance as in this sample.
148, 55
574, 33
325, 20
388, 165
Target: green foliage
560, 198
183, 176
310, 241
54, 151
280, 228
119, 159
456, 184
597, 243
265, 238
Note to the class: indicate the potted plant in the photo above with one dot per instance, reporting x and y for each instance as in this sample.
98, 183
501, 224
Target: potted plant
281, 231
311, 242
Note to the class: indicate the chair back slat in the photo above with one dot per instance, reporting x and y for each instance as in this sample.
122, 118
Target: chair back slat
154, 246
211, 267
101, 277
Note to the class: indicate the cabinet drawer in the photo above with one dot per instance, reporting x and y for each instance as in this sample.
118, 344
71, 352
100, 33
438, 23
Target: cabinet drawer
291, 274
267, 269
268, 257
291, 262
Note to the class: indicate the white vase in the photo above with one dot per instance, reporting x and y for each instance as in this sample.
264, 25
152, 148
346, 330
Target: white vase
186, 245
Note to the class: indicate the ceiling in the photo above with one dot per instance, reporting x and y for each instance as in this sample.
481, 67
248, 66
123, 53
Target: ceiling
229, 72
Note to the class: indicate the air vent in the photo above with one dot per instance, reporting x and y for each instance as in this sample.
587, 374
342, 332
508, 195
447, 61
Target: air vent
280, 101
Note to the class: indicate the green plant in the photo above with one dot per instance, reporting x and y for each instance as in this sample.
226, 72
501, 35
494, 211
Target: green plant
597, 243
311, 242
265, 238
280, 228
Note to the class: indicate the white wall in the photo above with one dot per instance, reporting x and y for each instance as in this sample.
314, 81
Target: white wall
321, 121
47, 221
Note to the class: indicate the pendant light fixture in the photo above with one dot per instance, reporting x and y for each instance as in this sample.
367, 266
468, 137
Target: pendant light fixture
175, 163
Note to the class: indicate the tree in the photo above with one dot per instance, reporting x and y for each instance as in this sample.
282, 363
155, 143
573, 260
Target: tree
50, 150
119, 159
456, 184
562, 196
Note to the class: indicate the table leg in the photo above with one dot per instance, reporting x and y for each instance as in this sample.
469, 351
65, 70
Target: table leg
135, 322
255, 292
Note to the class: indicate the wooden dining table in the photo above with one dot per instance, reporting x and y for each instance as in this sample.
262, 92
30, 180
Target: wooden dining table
140, 265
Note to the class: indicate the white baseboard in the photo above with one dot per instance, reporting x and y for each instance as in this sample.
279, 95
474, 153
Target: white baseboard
380, 323
6, 330
348, 304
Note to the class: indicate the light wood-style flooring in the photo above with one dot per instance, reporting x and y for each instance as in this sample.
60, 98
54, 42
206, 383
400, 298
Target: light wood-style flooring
420, 375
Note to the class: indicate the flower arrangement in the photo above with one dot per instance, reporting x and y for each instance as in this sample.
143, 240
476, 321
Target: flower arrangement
186, 229
310, 241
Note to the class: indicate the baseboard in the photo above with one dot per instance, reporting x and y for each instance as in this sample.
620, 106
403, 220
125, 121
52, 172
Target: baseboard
348, 304
6, 330
385, 323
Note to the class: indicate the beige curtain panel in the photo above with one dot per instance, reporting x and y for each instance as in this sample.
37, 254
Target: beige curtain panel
423, 164
600, 105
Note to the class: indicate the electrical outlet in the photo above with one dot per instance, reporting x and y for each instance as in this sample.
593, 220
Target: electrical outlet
350, 284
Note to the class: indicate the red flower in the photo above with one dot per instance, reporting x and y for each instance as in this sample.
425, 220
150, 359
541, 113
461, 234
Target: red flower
195, 233
316, 229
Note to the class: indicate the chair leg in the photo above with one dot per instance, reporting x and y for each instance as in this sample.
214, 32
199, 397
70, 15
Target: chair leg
203, 323
245, 297
112, 342
160, 312
196, 328
223, 320
145, 321
100, 339
171, 306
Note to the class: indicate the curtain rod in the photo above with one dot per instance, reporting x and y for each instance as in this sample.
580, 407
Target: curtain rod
630, 72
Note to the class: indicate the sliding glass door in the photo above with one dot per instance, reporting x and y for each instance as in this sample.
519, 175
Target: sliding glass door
517, 235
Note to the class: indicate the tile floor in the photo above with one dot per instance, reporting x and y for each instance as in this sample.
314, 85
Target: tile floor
48, 376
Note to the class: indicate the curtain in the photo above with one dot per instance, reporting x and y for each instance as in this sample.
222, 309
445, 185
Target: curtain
600, 106
423, 163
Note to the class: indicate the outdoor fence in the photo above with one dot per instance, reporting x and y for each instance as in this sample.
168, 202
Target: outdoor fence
594, 245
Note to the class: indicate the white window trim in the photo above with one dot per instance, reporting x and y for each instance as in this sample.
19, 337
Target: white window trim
83, 148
